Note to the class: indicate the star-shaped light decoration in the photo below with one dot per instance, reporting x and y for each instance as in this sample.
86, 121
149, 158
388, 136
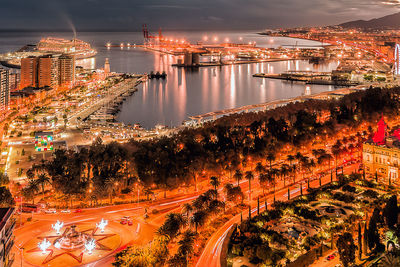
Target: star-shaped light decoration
73, 244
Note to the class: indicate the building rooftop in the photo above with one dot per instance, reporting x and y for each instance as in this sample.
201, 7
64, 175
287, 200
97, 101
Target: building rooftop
383, 139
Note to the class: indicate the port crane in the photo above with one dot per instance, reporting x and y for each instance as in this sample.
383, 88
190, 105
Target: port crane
151, 39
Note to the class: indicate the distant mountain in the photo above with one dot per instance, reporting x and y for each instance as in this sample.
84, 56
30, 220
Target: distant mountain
390, 21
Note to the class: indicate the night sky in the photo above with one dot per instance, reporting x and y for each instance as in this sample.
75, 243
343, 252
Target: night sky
186, 14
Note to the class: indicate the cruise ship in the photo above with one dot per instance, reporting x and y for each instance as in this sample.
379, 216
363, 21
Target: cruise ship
76, 47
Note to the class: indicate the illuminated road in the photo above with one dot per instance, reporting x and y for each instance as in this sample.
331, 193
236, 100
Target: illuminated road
140, 233
211, 256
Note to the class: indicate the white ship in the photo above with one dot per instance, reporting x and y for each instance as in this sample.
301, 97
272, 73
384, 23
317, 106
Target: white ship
76, 47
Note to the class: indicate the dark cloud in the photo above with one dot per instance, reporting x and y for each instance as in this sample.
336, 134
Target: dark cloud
186, 14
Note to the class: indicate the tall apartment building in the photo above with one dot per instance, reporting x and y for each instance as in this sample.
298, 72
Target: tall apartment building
7, 224
4, 89
49, 70
66, 72
29, 67
14, 79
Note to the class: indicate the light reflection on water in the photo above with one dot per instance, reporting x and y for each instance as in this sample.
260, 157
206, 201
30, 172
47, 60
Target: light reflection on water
186, 92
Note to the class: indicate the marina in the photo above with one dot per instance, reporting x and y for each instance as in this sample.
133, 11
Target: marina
308, 77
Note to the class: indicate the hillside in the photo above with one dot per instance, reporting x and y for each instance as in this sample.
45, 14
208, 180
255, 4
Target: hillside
390, 21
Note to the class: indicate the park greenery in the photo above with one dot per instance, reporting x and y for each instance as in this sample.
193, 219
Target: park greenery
187, 230
228, 145
236, 147
6, 199
319, 221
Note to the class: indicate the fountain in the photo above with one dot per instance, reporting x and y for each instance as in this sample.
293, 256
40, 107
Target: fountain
57, 226
44, 245
103, 223
90, 245
71, 239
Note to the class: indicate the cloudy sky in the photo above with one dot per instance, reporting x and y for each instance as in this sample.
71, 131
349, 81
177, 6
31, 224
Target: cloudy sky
186, 14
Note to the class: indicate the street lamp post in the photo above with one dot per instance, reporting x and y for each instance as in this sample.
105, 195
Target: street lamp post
20, 253
20, 215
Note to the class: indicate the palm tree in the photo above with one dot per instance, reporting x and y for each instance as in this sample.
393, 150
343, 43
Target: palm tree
293, 170
290, 158
259, 168
336, 150
262, 179
270, 157
43, 180
389, 260
110, 183
214, 181
249, 176
284, 170
198, 219
304, 164
238, 176
31, 189
187, 208
299, 157
311, 166
186, 244
172, 225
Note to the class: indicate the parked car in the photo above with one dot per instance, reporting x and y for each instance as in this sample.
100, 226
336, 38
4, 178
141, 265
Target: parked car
77, 210
126, 220
330, 257
66, 211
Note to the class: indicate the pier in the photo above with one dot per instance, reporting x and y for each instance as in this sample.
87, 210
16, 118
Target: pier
308, 77
123, 88
210, 116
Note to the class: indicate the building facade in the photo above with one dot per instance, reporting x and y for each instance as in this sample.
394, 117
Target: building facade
7, 224
48, 71
29, 67
66, 71
381, 154
4, 89
14, 79
382, 160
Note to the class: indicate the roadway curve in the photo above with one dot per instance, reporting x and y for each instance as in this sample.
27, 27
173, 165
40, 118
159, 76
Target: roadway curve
140, 233
211, 255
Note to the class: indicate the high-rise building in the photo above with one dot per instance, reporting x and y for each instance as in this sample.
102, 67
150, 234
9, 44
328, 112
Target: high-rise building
48, 72
40, 71
7, 224
66, 70
14, 79
4, 89
29, 68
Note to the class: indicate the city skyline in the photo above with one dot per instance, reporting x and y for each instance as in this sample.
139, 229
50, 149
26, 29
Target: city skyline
96, 15
200, 133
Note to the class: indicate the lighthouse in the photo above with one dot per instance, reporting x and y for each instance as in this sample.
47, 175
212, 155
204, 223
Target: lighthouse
106, 67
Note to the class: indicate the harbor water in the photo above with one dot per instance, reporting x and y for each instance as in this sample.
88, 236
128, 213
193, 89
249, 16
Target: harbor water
187, 92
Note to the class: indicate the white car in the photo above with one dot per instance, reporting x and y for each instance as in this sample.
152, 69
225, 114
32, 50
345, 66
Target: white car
66, 211
51, 211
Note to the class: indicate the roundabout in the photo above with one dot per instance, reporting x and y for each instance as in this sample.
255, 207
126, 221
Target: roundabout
72, 245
